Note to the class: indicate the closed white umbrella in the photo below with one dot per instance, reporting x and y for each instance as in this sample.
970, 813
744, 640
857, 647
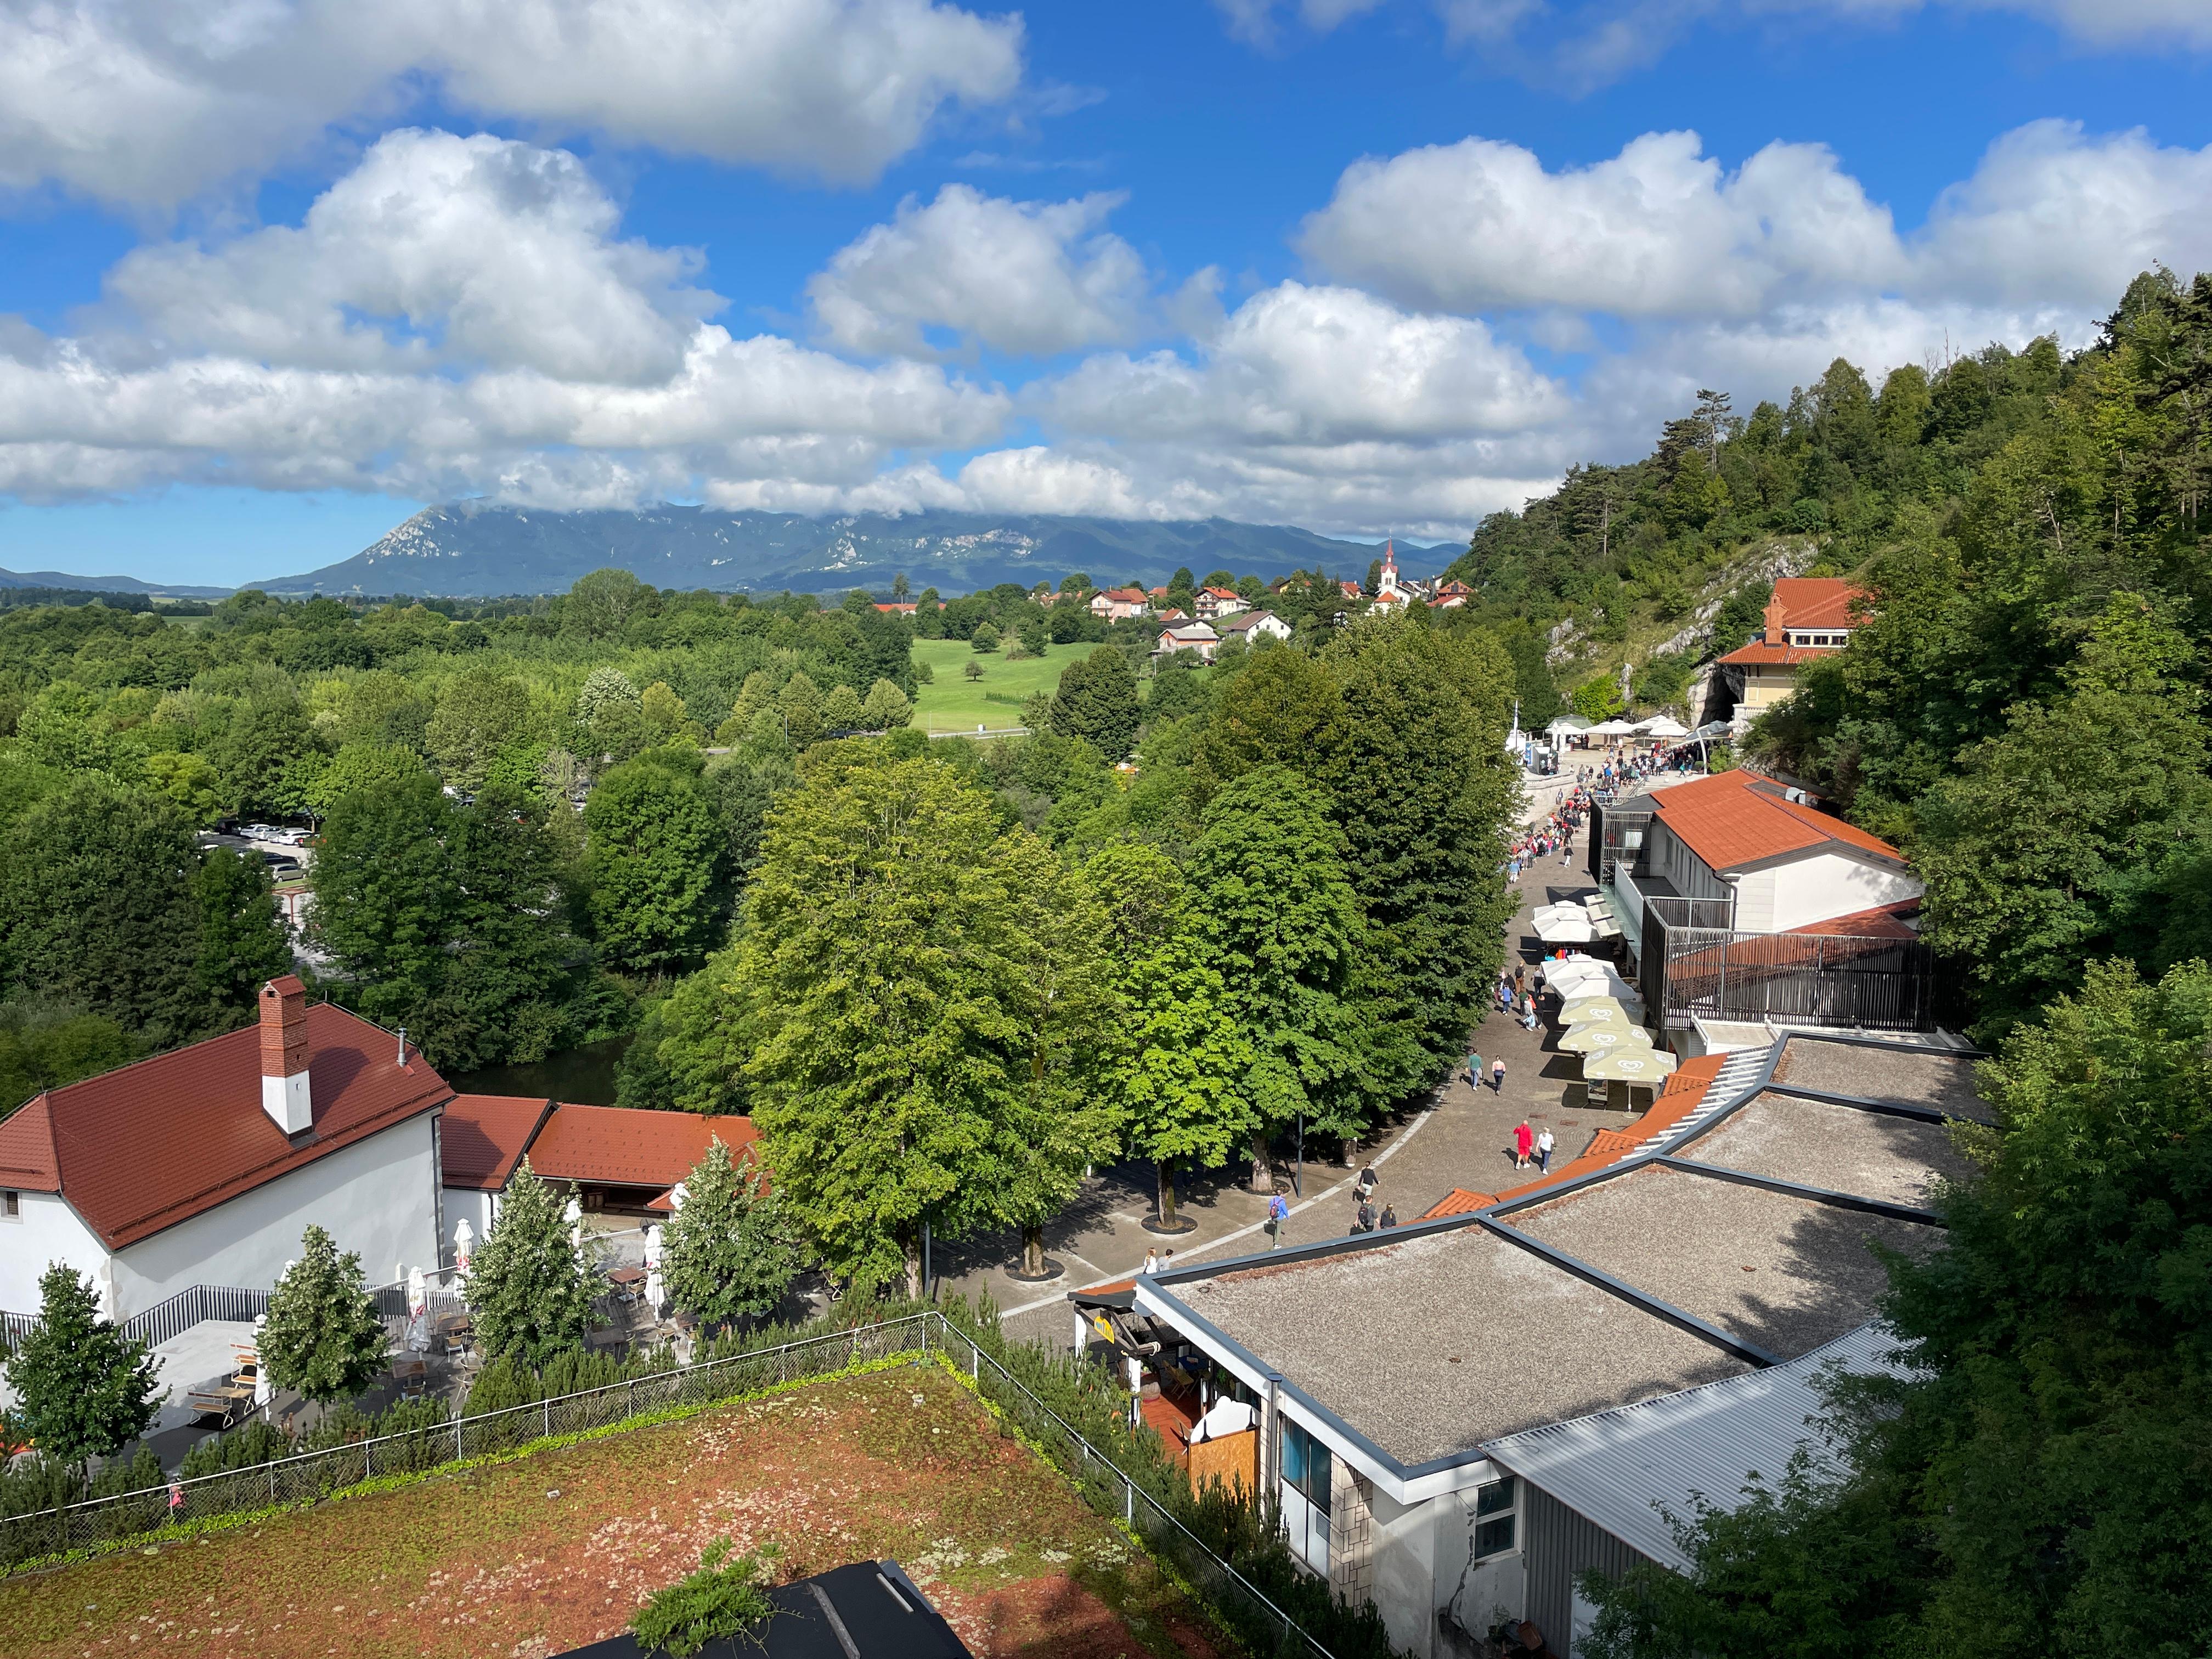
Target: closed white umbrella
1619, 1064
655, 1291
418, 1291
465, 1245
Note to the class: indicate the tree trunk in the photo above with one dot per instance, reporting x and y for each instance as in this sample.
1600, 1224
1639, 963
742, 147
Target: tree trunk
1033, 1250
1263, 1168
911, 1245
1167, 1193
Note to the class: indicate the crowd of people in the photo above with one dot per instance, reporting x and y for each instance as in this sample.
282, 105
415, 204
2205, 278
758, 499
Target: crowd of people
1554, 833
1620, 766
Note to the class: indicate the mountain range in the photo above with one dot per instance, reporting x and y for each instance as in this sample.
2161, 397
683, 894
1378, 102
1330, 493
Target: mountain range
472, 549
106, 585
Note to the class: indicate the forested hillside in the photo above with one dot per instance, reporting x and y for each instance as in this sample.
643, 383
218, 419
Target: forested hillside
2022, 709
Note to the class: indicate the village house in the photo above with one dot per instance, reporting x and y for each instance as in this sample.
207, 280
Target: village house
1119, 604
1213, 604
1188, 636
622, 1162
1689, 1286
1807, 618
1253, 626
203, 1166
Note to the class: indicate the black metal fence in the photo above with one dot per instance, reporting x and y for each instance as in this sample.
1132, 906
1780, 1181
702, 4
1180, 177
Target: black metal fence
188, 1308
1801, 979
13, 1328
1262, 1624
1616, 837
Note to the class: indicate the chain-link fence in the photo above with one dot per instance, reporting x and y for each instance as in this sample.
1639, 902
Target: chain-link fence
1257, 1621
446, 1439
1261, 1625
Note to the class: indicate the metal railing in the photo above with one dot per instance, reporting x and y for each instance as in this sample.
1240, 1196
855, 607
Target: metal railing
192, 1306
13, 1328
1106, 1486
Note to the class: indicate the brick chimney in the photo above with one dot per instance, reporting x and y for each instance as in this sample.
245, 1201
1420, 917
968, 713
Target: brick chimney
285, 1094
1774, 633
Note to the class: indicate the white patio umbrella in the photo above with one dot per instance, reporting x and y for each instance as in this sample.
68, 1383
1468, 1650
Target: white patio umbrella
1603, 1036
655, 1291
465, 1245
418, 1291
1565, 930
1574, 971
1641, 1064
1613, 728
1665, 726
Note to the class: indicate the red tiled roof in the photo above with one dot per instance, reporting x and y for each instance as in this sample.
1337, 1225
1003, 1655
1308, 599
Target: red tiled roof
1817, 601
1734, 818
484, 1137
1760, 654
153, 1144
1458, 1201
615, 1146
1125, 595
1883, 921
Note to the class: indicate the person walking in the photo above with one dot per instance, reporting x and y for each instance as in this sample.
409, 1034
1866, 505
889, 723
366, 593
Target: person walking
1473, 1069
1544, 1145
1389, 1215
1366, 1221
1524, 1142
1497, 1075
1279, 1212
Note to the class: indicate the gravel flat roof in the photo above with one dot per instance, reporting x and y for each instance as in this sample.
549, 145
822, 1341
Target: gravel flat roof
1787, 1273
1432, 1345
1844, 1149
1876, 1071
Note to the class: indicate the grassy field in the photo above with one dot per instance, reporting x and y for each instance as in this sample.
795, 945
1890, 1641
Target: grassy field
955, 702
552, 1551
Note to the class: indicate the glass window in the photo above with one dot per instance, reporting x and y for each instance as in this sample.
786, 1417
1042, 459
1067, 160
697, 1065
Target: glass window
1497, 1495
1306, 1465
1493, 1537
9, 1205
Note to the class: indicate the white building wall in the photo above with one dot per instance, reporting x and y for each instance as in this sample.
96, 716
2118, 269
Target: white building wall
46, 1230
478, 1205
1402, 1539
1755, 901
1830, 884
379, 1196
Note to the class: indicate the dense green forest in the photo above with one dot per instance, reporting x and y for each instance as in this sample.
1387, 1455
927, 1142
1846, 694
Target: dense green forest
619, 810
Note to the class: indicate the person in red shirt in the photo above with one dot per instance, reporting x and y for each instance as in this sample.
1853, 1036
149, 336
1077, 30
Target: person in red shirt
1524, 1143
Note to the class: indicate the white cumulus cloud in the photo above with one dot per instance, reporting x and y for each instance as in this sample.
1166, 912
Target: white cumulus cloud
150, 102
2050, 217
1032, 278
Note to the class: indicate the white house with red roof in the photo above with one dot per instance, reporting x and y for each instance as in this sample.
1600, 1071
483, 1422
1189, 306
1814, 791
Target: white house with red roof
1807, 618
1789, 866
1213, 604
204, 1165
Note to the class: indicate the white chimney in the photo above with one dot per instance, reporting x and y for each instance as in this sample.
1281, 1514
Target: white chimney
285, 1094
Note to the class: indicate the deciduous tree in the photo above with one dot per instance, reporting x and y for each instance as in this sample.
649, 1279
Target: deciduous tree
731, 1249
528, 1293
323, 1338
82, 1388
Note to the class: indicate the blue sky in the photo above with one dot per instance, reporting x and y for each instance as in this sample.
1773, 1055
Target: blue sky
273, 274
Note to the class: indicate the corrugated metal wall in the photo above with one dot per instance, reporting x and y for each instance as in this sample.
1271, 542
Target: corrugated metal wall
1560, 1544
